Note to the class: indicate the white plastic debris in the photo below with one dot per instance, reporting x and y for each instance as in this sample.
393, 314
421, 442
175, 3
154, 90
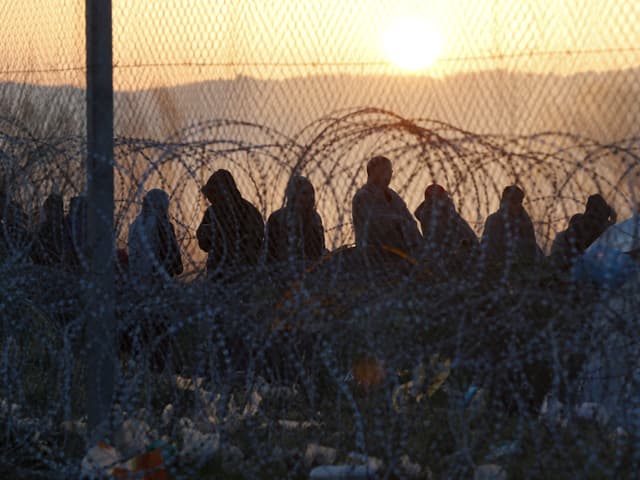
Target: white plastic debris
295, 425
552, 411
372, 463
253, 404
341, 472
317, 454
133, 436
489, 472
593, 411
167, 414
99, 462
409, 468
198, 447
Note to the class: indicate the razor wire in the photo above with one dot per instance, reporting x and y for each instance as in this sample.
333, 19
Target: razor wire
370, 364
383, 365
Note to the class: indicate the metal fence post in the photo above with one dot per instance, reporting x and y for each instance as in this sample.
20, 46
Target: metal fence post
100, 307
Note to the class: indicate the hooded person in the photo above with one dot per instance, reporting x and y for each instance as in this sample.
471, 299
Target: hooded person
295, 232
598, 216
508, 234
51, 239
153, 248
567, 245
447, 236
380, 216
232, 229
76, 229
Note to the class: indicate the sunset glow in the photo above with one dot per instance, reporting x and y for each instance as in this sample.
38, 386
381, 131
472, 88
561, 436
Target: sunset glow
412, 43
177, 42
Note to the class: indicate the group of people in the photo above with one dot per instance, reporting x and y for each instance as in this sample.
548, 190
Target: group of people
382, 219
235, 237
58, 239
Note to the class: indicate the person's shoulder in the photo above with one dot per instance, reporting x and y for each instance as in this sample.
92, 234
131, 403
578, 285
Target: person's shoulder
361, 194
420, 209
135, 225
493, 218
395, 195
363, 190
276, 216
249, 206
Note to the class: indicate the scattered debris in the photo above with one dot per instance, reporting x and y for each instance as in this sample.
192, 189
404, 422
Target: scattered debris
341, 472
319, 455
489, 472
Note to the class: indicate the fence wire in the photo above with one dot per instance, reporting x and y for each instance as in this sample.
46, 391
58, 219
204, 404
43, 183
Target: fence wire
378, 361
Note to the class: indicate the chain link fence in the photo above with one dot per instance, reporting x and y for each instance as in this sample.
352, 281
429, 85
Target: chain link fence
390, 363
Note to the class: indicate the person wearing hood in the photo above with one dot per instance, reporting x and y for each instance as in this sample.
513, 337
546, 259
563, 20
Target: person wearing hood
232, 229
295, 232
508, 234
448, 238
380, 216
598, 216
154, 253
51, 239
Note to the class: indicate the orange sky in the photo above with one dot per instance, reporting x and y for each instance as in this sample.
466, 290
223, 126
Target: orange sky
167, 42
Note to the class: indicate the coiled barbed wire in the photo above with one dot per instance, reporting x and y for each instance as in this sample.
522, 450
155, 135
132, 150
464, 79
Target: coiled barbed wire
352, 353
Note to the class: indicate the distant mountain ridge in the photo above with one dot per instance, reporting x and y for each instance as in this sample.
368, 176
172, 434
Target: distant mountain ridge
602, 106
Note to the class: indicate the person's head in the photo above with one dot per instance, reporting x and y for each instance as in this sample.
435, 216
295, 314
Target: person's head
156, 202
220, 187
435, 194
512, 197
301, 194
379, 171
597, 207
53, 207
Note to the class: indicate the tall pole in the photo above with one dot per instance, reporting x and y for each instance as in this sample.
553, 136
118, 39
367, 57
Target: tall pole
101, 323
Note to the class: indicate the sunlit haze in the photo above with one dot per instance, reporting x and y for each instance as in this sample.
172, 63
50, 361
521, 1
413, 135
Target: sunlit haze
184, 41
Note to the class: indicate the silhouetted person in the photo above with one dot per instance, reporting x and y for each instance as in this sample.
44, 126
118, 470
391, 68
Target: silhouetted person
51, 240
232, 229
447, 236
295, 232
380, 216
508, 233
14, 236
153, 249
598, 216
568, 244
76, 227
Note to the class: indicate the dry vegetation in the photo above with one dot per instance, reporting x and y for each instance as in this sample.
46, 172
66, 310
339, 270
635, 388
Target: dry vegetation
432, 373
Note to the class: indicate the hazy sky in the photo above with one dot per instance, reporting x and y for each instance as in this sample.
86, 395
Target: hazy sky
165, 42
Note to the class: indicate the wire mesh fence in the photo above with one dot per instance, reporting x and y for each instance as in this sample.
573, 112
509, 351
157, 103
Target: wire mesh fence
381, 359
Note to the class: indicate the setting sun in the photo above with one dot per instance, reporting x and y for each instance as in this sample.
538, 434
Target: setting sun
412, 43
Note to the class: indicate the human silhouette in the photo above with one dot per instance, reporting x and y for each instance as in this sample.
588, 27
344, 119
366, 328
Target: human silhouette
380, 216
51, 239
154, 253
232, 229
448, 238
568, 244
598, 216
76, 227
508, 233
295, 232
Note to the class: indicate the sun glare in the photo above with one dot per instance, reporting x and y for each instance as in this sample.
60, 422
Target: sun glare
412, 43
